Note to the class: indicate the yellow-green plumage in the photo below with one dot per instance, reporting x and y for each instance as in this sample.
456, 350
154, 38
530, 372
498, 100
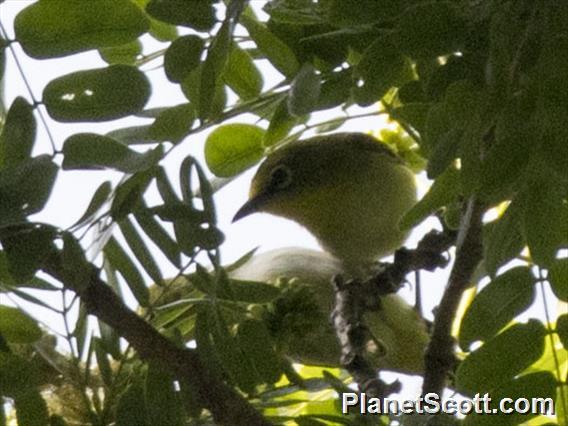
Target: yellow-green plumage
347, 189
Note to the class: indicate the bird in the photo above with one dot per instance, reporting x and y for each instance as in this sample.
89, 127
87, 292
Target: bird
349, 190
300, 328
400, 331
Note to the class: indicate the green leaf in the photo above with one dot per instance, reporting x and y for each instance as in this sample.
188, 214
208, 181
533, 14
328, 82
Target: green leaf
165, 188
204, 341
502, 239
357, 12
539, 385
257, 345
444, 153
134, 135
505, 162
162, 31
140, 250
413, 114
55, 28
430, 29
280, 125
18, 327
212, 69
233, 148
275, 50
192, 402
81, 328
443, 191
31, 409
412, 93
562, 329
159, 236
558, 277
128, 194
501, 358
182, 57
543, 220
2, 409
56, 420
335, 90
236, 364
100, 197
25, 189
185, 179
97, 95
91, 151
131, 409
252, 291
196, 14
191, 88
241, 74
17, 375
120, 261
125, 54
304, 91
163, 402
103, 362
76, 268
110, 340
292, 13
381, 67
496, 305
18, 133
173, 124
27, 246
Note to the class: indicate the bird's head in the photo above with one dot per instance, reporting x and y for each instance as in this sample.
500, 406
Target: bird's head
293, 180
347, 189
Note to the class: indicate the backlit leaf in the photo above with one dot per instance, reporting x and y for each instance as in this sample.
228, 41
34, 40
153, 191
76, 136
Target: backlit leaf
233, 148
242, 75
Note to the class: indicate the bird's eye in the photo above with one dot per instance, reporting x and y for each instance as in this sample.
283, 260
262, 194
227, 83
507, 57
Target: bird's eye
281, 177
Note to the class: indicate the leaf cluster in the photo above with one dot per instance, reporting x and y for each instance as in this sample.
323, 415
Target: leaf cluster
478, 93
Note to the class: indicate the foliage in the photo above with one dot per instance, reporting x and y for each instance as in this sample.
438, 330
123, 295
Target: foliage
478, 91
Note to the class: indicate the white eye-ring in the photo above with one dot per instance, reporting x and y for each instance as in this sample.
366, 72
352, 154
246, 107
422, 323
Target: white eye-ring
280, 177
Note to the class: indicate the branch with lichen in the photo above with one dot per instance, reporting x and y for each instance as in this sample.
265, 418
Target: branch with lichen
353, 298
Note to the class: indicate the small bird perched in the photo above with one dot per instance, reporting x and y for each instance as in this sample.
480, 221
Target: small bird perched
348, 189
401, 333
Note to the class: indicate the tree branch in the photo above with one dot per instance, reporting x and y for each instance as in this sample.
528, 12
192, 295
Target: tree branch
354, 298
439, 357
226, 405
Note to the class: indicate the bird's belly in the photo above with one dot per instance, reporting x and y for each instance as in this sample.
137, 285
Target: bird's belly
362, 224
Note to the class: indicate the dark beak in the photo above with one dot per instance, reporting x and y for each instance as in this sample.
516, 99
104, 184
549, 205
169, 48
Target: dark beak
251, 206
